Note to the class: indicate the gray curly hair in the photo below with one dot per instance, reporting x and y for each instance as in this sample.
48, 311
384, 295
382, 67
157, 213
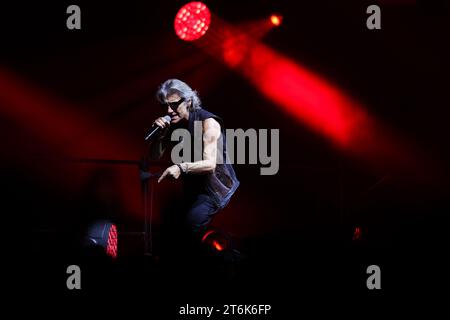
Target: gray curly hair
179, 87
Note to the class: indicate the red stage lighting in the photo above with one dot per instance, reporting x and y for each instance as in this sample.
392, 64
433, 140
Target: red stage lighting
111, 246
276, 20
103, 234
357, 233
216, 240
192, 21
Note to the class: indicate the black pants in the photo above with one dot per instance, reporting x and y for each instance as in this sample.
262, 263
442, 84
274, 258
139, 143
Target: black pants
200, 211
184, 221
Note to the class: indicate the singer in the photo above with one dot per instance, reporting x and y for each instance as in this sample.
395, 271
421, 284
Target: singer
207, 184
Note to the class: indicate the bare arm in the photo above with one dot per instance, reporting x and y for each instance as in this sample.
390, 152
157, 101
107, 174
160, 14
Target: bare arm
211, 129
211, 134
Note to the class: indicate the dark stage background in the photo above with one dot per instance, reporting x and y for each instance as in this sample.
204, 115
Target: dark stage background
67, 97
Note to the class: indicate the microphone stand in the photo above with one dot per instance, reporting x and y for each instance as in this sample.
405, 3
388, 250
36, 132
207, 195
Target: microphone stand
147, 188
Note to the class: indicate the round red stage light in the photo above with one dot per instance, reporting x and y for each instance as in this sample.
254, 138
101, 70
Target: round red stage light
276, 19
192, 21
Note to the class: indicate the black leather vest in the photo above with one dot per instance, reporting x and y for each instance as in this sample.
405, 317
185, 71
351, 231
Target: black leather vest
221, 184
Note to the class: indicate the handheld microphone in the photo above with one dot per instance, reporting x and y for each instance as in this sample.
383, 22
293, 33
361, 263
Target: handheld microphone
155, 130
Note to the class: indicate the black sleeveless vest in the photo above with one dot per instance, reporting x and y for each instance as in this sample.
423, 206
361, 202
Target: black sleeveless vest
221, 184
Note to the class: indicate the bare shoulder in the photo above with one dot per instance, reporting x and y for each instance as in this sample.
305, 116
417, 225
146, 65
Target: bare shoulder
211, 128
211, 124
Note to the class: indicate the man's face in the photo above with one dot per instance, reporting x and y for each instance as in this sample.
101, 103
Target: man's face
181, 111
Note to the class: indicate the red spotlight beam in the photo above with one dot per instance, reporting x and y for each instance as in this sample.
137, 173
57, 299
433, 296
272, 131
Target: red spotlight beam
56, 122
50, 121
308, 98
292, 87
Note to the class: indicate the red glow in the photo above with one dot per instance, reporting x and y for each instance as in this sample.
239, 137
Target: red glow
192, 21
276, 20
54, 123
206, 235
217, 245
296, 90
234, 50
305, 96
214, 239
357, 234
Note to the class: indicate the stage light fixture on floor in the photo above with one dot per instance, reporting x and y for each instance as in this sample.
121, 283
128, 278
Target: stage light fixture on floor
192, 21
103, 234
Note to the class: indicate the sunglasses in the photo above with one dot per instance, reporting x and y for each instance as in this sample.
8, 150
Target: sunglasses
173, 105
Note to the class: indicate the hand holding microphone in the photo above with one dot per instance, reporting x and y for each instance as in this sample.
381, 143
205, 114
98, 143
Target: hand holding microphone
160, 124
